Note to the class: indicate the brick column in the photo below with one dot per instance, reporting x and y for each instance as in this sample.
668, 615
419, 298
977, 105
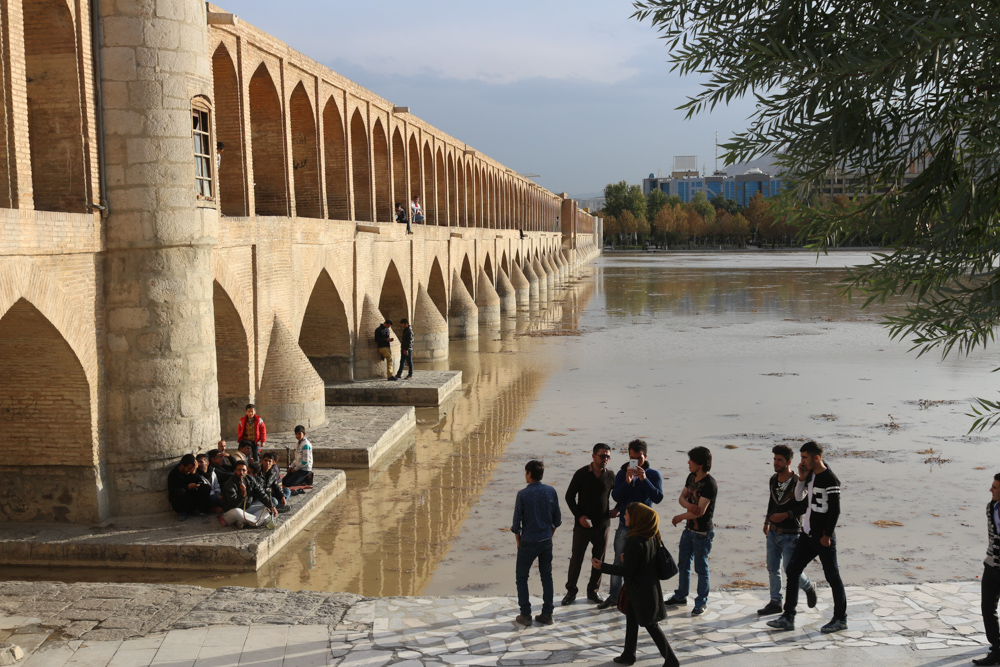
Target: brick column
160, 373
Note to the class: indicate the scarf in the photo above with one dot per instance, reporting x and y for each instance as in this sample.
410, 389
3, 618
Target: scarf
644, 522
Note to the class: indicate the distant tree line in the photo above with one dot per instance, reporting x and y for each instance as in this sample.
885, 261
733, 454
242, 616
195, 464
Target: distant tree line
635, 220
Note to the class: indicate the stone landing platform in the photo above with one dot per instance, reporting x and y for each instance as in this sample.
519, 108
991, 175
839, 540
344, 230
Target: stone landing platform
160, 541
424, 389
354, 436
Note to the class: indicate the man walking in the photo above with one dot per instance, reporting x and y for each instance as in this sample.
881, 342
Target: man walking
587, 498
698, 498
405, 348
251, 428
383, 336
991, 577
536, 517
781, 528
821, 489
635, 482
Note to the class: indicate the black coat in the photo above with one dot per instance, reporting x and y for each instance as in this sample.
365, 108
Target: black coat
642, 581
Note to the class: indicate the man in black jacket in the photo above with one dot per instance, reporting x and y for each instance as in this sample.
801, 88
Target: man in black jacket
781, 528
270, 479
405, 348
238, 496
185, 490
383, 336
990, 583
821, 489
587, 498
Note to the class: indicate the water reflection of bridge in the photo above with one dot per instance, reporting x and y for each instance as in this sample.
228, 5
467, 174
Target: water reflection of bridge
391, 529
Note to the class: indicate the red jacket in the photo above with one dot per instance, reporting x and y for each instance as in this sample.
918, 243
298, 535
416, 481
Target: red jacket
261, 431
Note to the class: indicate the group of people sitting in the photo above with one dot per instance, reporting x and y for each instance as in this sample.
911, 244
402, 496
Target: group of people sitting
244, 488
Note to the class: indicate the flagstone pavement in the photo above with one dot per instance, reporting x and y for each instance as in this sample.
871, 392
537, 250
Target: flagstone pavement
135, 625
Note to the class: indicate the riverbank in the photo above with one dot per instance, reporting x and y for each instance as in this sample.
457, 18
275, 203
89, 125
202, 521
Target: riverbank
135, 625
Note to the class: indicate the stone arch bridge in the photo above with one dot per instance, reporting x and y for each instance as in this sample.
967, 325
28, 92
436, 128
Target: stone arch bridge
151, 286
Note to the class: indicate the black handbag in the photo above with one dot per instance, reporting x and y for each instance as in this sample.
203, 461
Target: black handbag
665, 565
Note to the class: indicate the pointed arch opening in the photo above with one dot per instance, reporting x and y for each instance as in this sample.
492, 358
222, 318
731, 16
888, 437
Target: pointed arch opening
436, 288
54, 412
55, 111
467, 277
430, 200
383, 175
399, 171
392, 299
441, 190
414, 158
325, 336
452, 193
267, 139
335, 160
504, 264
305, 157
229, 131
463, 196
475, 193
488, 267
232, 361
361, 168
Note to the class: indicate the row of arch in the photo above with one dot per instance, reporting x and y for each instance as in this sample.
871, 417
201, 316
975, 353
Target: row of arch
352, 169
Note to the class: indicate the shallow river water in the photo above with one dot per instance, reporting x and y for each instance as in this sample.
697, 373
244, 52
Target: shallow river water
736, 352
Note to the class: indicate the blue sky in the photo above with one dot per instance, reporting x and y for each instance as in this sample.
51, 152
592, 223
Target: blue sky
574, 90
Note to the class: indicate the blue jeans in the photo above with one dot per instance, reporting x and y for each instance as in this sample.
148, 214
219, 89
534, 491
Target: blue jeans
694, 547
780, 547
807, 548
405, 359
621, 534
526, 555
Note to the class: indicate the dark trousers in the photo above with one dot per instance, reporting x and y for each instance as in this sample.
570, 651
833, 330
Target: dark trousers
632, 638
807, 548
526, 555
298, 478
186, 501
991, 596
597, 537
405, 358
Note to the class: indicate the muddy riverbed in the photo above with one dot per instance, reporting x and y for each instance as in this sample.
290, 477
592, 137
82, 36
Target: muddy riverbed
736, 352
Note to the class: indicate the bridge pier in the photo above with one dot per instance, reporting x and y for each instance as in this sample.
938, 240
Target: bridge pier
522, 288
488, 302
507, 294
543, 280
534, 285
463, 318
431, 329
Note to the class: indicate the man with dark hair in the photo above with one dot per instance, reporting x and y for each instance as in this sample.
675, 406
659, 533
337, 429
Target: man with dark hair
251, 427
270, 481
220, 465
405, 348
536, 517
821, 489
185, 490
238, 496
587, 498
635, 482
383, 337
781, 528
698, 500
990, 583
401, 217
300, 472
207, 476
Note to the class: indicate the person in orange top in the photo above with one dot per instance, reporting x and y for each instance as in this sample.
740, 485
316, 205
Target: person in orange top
251, 428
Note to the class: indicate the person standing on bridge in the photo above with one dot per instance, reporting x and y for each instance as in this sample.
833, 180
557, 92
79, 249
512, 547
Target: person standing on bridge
405, 349
536, 517
252, 429
383, 336
990, 582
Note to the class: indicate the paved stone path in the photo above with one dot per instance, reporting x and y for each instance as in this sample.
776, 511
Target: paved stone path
105, 625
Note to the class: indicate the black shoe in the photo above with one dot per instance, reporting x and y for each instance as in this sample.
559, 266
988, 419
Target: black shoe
392, 379
544, 619
624, 659
283, 509
399, 376
409, 376
594, 597
608, 602
698, 611
570, 597
523, 620
771, 608
811, 597
992, 658
675, 601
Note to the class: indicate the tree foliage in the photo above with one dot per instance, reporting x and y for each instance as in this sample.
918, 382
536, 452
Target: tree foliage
900, 94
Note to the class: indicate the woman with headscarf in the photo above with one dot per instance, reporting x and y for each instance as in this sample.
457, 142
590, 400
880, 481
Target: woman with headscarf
642, 583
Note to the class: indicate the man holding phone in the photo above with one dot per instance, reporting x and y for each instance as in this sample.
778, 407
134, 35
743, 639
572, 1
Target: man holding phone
635, 482
587, 497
